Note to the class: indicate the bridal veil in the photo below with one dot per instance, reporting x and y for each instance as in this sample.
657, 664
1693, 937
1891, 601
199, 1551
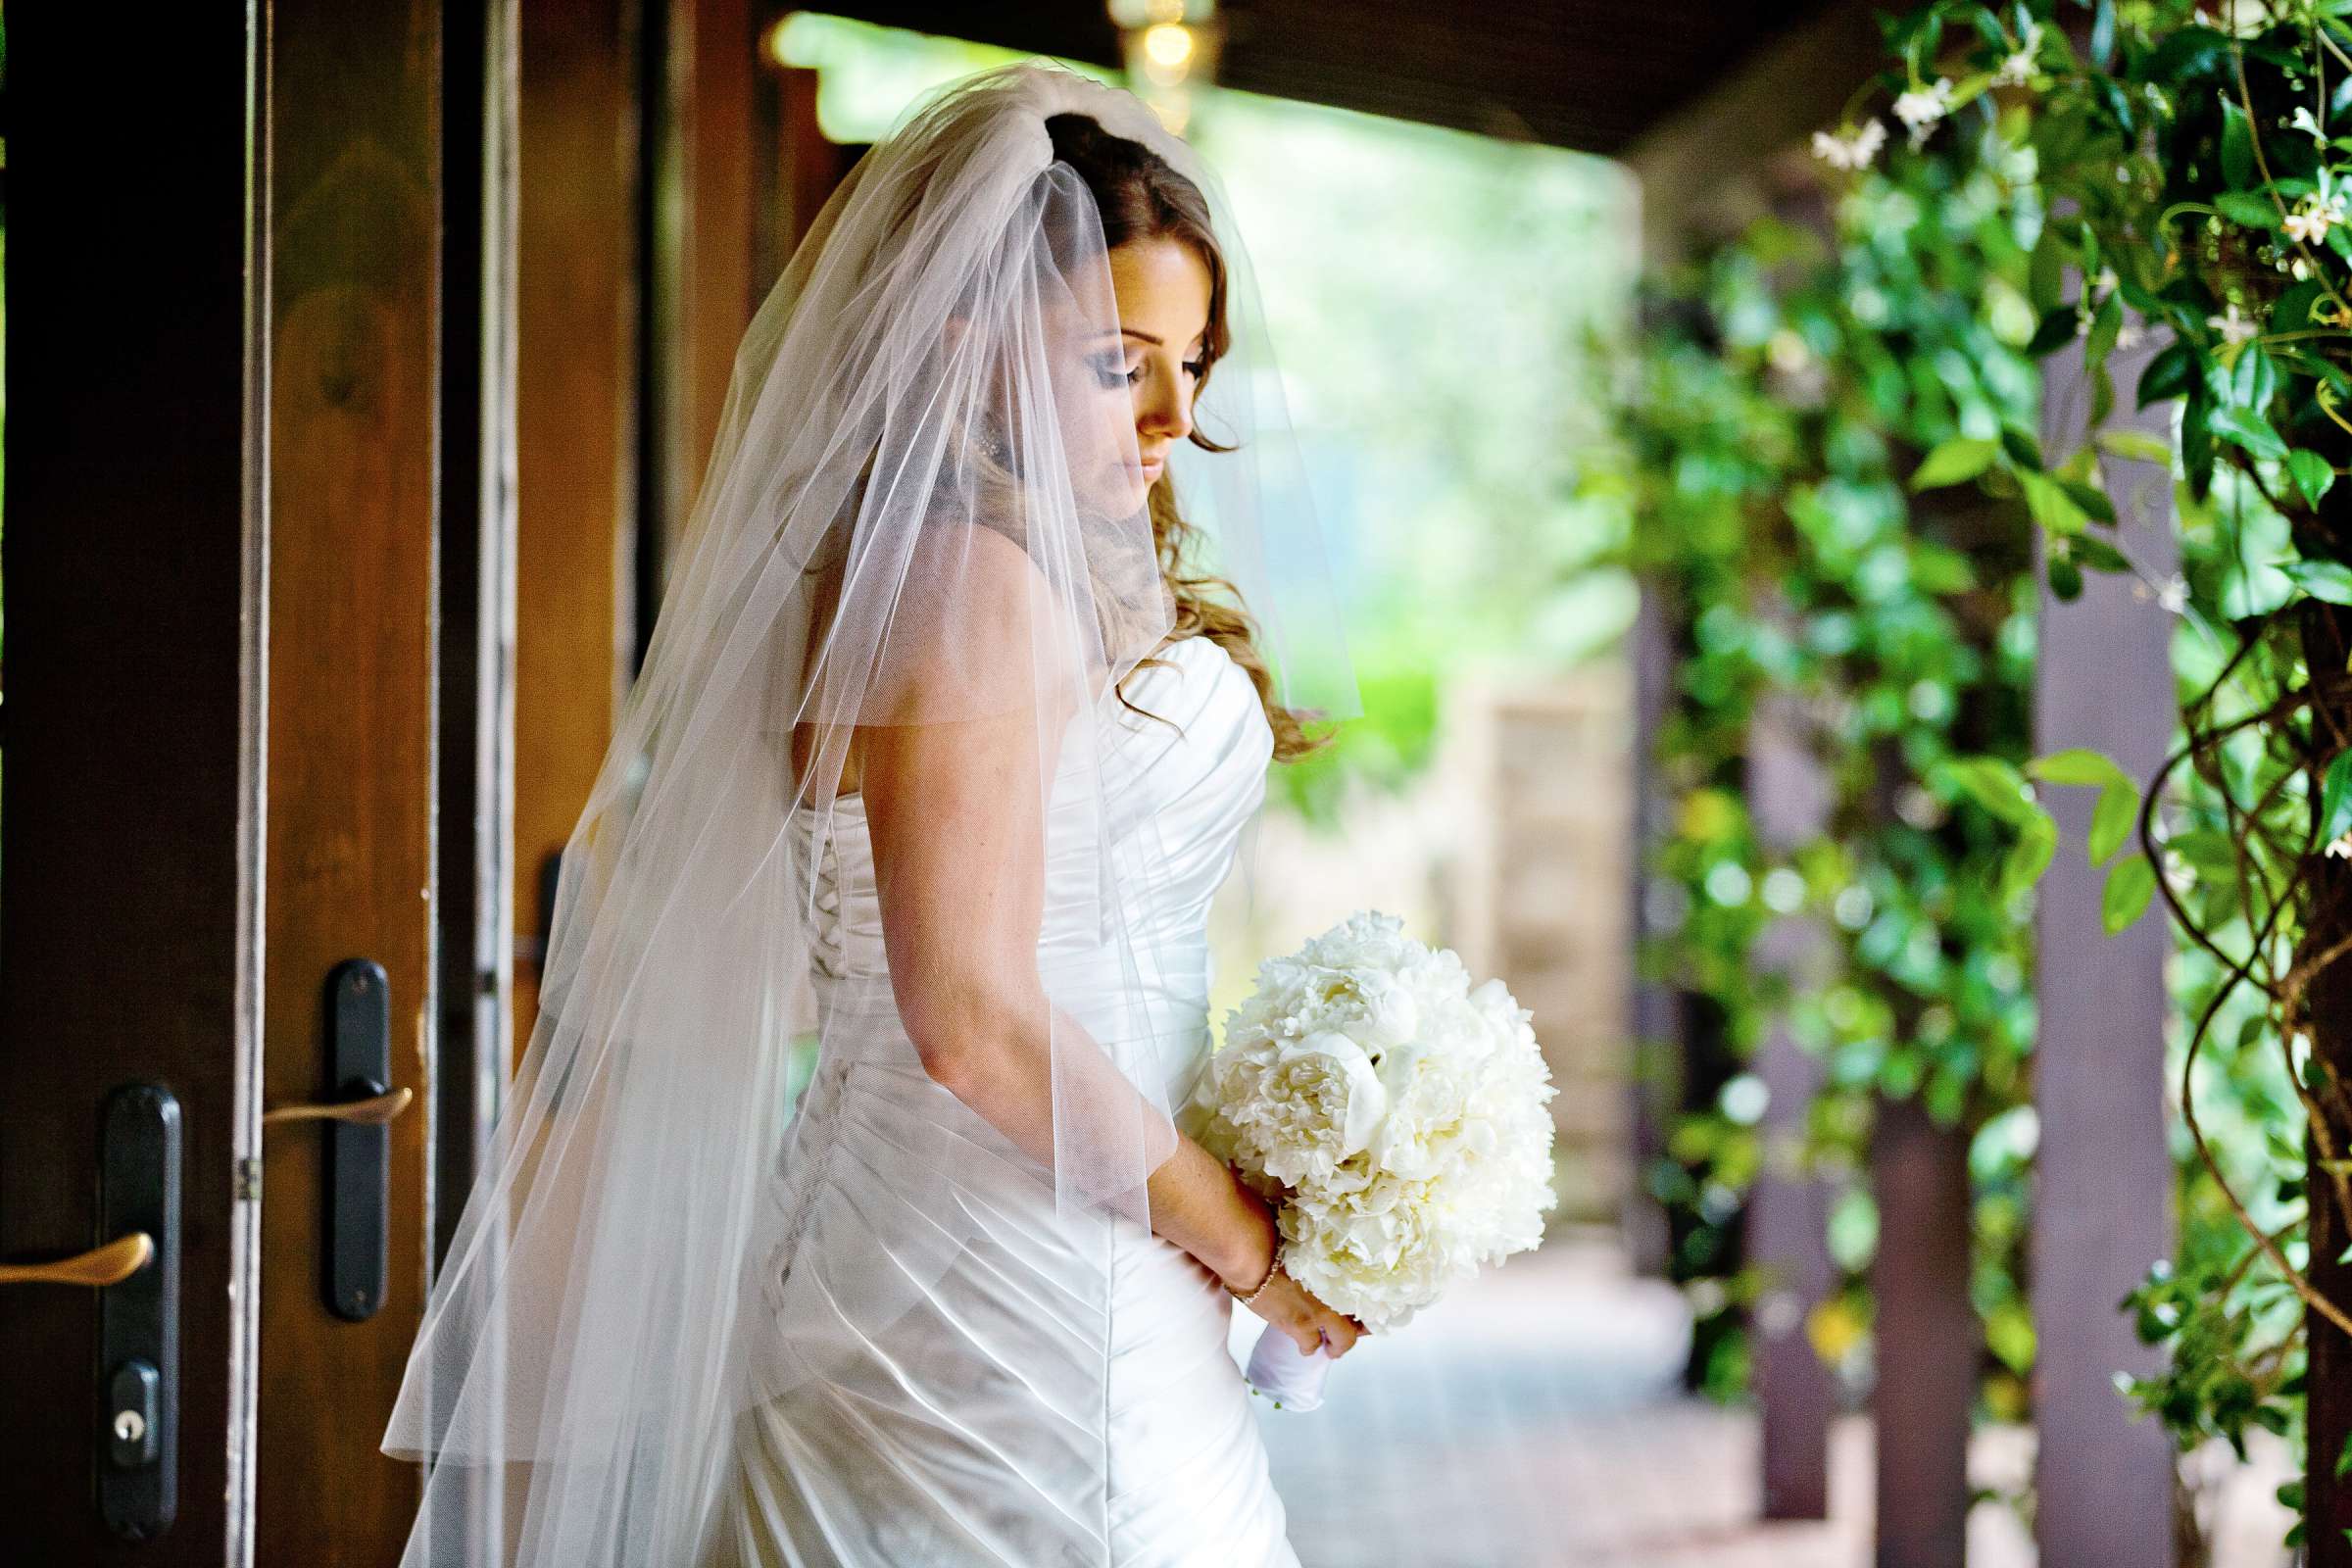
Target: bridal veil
923, 507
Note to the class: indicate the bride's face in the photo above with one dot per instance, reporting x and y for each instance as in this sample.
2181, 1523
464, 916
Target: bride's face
1150, 371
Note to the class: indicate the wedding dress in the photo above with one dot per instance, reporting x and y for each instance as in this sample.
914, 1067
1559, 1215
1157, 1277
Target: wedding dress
930, 1429
691, 1319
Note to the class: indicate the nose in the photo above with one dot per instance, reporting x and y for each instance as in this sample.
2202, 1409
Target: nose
1163, 408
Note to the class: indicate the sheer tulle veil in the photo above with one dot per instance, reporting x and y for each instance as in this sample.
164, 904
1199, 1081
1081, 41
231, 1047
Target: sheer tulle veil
923, 507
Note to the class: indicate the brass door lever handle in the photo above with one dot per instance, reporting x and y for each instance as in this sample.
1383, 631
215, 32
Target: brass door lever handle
374, 1111
110, 1264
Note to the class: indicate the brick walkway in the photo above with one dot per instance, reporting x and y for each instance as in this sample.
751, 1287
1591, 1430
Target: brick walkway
1533, 1421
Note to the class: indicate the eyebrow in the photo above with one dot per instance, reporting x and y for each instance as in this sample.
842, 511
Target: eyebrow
1155, 342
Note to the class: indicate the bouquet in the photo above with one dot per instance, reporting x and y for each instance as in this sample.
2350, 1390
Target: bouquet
1393, 1113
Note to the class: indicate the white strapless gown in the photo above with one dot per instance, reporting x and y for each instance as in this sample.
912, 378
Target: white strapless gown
1008, 1388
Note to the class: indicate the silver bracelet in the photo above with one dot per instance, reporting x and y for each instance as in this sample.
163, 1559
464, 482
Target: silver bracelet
1272, 1269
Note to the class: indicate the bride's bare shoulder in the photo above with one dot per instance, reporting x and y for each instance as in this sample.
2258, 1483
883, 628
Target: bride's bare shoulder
966, 626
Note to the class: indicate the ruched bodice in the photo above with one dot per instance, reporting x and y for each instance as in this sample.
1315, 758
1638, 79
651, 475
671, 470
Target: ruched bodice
976, 1375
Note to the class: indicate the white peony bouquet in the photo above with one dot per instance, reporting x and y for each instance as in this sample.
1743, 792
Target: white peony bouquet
1396, 1114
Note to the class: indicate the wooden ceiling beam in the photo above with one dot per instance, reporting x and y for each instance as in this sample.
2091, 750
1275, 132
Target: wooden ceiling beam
1591, 75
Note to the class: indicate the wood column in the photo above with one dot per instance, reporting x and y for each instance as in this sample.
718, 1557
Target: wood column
2102, 1204
575, 420
2327, 634
1787, 1218
1658, 1053
1927, 1338
716, 46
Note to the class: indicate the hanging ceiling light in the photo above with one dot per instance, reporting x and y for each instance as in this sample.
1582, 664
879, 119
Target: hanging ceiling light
1170, 47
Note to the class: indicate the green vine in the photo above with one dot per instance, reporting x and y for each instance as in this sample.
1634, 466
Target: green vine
2048, 175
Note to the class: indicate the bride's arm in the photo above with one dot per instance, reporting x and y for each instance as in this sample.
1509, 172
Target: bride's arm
955, 813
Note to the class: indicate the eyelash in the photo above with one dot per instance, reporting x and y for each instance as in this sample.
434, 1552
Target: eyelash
1113, 376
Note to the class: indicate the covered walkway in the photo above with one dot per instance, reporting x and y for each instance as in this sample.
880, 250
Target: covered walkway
1540, 1403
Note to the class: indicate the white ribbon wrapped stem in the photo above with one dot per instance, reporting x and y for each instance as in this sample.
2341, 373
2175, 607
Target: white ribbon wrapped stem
1277, 1370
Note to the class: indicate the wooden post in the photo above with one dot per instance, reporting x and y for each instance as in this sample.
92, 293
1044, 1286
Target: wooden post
1658, 1012
1928, 1338
2326, 632
575, 397
1787, 1218
1928, 1343
2102, 1210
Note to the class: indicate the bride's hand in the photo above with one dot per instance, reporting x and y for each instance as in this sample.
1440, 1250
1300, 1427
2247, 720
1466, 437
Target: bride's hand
1292, 1309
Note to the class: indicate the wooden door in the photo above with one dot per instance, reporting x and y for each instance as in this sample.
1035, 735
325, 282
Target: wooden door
132, 796
353, 250
220, 772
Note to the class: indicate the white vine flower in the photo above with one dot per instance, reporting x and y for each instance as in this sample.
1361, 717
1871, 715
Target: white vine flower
2341, 848
1920, 108
2247, 19
2171, 595
2128, 335
2018, 67
2233, 327
1850, 148
2311, 222
2303, 120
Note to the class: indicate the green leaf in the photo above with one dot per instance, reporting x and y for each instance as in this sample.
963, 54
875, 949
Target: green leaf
2330, 580
2336, 799
1994, 785
2077, 766
2247, 210
2045, 270
1961, 458
2030, 855
2249, 430
2050, 504
2167, 375
2066, 580
2313, 473
2290, 312
2137, 446
2196, 443
2097, 554
2105, 323
2237, 145
2253, 379
2112, 820
2118, 811
2022, 449
2058, 327
2130, 887
2091, 499
2208, 851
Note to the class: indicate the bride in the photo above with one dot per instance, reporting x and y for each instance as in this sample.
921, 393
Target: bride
944, 741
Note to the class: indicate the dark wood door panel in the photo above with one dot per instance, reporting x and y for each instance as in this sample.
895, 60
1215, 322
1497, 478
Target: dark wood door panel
353, 262
575, 420
125, 791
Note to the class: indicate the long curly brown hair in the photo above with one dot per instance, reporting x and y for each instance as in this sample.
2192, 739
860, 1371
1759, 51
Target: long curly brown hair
1141, 197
